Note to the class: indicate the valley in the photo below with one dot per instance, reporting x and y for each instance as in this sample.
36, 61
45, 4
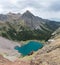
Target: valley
26, 39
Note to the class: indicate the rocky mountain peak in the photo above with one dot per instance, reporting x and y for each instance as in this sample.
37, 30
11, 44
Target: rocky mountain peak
27, 14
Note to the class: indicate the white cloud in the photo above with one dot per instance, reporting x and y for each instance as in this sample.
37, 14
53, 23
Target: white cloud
44, 8
1, 10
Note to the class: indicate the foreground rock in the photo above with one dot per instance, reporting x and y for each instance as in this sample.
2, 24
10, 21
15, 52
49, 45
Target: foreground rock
4, 61
48, 55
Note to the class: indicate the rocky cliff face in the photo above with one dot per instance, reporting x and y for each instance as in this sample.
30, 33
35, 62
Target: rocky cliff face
56, 34
48, 55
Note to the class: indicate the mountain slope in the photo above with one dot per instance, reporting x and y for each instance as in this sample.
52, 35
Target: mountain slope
30, 20
35, 22
7, 48
48, 55
56, 34
26, 26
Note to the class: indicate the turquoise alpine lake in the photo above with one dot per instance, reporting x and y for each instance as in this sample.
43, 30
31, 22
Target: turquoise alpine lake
29, 47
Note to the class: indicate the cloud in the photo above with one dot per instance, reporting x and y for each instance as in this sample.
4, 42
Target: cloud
55, 6
42, 8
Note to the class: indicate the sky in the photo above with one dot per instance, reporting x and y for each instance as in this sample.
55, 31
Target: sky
47, 9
